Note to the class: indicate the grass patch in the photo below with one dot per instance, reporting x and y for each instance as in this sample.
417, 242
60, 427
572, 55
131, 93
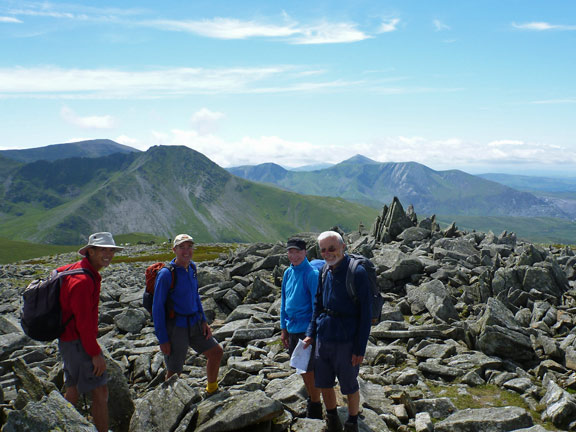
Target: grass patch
201, 253
486, 396
12, 250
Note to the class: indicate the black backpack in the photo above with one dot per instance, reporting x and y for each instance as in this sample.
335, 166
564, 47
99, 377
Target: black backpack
377, 299
41, 317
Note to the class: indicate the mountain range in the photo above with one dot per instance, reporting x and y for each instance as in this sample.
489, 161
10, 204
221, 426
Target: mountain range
52, 195
163, 191
374, 184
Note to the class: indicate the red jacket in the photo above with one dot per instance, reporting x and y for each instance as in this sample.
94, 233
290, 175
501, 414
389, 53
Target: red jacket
79, 297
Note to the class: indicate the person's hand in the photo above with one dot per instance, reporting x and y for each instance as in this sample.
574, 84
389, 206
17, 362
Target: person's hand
307, 341
357, 360
165, 348
99, 364
206, 330
285, 338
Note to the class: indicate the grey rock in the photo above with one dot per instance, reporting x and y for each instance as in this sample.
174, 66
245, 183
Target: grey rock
222, 413
486, 420
162, 408
437, 408
560, 406
51, 413
130, 320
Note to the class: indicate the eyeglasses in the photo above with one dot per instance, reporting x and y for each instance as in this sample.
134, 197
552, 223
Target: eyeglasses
330, 249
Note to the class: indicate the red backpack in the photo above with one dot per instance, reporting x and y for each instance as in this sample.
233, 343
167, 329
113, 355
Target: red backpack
151, 274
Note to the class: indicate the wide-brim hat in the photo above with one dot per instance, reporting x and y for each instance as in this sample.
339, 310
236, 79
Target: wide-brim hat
100, 239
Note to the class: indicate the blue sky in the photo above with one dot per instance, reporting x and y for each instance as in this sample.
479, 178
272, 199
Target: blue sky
482, 86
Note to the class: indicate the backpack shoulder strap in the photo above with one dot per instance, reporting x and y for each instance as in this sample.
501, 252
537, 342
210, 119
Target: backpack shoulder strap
172, 269
75, 271
350, 274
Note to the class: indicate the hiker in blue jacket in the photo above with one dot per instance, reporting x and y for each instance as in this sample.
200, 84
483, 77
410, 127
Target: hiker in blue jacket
299, 285
340, 328
179, 319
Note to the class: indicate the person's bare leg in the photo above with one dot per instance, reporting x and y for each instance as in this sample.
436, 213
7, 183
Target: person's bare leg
312, 390
354, 403
100, 408
213, 357
72, 395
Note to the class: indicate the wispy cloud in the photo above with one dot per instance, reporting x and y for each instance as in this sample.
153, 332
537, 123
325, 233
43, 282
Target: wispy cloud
10, 20
224, 28
556, 101
89, 122
55, 82
389, 25
205, 121
289, 31
440, 26
543, 26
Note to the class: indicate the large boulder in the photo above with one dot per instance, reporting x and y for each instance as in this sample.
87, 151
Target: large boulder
51, 413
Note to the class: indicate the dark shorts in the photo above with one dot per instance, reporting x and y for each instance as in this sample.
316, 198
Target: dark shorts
78, 367
180, 339
334, 360
293, 339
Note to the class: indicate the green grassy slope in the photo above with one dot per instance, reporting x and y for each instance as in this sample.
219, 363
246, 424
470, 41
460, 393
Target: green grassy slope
538, 230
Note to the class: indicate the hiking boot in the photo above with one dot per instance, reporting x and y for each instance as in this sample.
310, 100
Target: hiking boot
350, 427
313, 409
333, 423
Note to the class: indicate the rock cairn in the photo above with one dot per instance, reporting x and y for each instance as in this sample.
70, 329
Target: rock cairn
464, 311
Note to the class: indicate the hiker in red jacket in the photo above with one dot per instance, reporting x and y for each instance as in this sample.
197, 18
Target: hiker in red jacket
84, 364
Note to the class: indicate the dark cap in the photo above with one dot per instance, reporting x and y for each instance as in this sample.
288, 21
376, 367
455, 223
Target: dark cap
296, 244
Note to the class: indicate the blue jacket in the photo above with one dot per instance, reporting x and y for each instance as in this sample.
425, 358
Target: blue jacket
185, 299
299, 285
336, 317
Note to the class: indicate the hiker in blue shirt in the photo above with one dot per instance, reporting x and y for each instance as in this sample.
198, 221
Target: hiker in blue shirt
179, 319
299, 285
340, 328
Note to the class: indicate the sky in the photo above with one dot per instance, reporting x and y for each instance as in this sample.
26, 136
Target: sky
481, 86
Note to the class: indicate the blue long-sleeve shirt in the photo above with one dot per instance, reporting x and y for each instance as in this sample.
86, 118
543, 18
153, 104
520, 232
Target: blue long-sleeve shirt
185, 299
337, 318
299, 285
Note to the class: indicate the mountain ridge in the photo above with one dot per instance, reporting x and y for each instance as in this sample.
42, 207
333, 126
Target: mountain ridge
372, 183
87, 148
163, 191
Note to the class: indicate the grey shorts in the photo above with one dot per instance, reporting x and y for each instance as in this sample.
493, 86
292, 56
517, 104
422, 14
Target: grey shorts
293, 339
78, 367
180, 339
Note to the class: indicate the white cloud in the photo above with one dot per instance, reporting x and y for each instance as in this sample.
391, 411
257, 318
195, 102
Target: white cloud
131, 142
224, 28
90, 122
205, 121
290, 31
10, 20
438, 154
440, 26
542, 26
389, 26
328, 33
55, 82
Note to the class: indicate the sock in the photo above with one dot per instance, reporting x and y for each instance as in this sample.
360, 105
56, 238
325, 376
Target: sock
332, 411
352, 419
211, 387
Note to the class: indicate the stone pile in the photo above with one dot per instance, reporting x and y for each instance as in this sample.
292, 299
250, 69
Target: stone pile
464, 311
